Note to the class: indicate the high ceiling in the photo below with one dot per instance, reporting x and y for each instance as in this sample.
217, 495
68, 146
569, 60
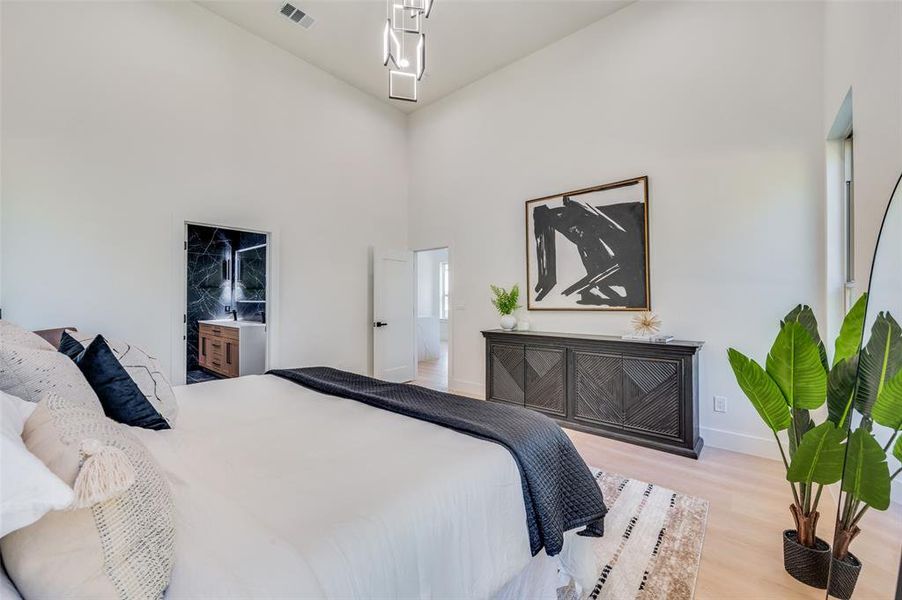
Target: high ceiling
466, 39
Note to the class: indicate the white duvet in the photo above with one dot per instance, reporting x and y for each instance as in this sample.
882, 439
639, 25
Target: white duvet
281, 491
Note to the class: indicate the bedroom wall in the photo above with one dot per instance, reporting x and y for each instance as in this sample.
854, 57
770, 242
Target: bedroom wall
863, 55
121, 120
719, 104
428, 290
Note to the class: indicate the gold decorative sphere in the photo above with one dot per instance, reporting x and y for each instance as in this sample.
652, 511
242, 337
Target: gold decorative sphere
646, 323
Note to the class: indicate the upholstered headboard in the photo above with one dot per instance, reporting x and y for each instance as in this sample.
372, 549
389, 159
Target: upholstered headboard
53, 335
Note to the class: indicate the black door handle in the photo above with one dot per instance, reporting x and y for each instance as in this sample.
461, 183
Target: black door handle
379, 324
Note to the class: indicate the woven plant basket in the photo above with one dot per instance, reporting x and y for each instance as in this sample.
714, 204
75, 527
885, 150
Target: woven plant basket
843, 576
811, 566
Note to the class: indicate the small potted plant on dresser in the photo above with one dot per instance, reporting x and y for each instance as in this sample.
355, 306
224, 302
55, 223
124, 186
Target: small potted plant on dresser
796, 379
506, 303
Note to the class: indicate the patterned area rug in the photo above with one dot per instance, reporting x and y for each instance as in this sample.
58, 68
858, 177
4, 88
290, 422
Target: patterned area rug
652, 543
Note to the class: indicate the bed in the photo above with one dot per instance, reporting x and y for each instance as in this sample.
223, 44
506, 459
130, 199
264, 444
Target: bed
280, 490
361, 503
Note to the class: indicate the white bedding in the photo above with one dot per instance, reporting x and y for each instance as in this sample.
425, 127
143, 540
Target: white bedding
282, 491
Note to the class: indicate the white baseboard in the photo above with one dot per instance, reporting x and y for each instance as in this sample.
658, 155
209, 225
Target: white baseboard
741, 442
467, 388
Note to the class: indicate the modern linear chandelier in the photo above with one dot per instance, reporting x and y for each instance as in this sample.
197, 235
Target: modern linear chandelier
404, 46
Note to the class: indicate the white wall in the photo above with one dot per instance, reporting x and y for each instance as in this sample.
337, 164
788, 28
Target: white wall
428, 289
123, 119
719, 104
430, 329
863, 53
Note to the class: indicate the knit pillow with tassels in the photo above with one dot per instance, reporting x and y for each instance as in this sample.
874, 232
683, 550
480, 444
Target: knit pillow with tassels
116, 540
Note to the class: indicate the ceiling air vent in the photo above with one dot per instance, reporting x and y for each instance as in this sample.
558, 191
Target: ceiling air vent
298, 16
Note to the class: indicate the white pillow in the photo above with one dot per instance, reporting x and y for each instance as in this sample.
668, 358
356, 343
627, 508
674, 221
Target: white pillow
144, 370
28, 489
120, 547
10, 333
30, 368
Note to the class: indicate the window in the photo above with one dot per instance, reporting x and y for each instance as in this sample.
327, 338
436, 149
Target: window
444, 281
848, 204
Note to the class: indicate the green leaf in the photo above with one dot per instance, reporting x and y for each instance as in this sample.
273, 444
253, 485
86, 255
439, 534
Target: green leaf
504, 301
841, 389
866, 476
849, 340
802, 423
761, 390
794, 363
887, 409
880, 360
803, 315
819, 458
897, 450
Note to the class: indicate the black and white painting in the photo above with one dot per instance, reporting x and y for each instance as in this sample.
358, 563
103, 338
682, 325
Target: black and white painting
588, 249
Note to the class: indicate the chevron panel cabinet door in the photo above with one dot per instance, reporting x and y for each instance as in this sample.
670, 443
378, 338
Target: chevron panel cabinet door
545, 372
651, 396
506, 373
598, 387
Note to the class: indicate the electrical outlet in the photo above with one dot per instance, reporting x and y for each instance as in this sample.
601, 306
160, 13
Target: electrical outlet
720, 404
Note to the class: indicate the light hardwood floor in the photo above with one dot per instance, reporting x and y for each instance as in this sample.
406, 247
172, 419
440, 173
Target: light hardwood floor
434, 373
749, 499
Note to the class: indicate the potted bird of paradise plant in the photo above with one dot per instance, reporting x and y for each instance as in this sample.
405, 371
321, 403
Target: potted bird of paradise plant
874, 397
797, 379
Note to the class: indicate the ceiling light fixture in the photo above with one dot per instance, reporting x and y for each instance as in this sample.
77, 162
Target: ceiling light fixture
404, 46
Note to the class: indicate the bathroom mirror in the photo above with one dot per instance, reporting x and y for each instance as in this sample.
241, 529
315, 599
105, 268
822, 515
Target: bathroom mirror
250, 267
867, 539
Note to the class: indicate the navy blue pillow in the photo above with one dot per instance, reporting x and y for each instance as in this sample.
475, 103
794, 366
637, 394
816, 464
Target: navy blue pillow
121, 399
70, 346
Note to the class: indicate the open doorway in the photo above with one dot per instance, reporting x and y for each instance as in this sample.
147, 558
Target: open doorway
226, 274
433, 312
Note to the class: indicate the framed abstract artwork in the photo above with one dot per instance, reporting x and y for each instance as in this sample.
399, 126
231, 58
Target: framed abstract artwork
588, 249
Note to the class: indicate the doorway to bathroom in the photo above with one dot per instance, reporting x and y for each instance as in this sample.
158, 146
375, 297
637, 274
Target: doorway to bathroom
226, 273
433, 317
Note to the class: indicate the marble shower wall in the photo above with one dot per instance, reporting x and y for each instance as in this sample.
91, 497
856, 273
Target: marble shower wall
211, 279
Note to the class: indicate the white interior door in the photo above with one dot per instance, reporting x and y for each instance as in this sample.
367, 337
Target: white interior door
394, 341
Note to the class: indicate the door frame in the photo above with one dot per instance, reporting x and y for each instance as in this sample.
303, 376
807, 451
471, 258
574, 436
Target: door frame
451, 287
179, 327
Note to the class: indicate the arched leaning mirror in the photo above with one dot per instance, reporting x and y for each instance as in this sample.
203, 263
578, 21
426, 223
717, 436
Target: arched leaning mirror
867, 541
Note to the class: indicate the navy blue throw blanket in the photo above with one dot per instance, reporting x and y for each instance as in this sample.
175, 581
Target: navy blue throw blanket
558, 489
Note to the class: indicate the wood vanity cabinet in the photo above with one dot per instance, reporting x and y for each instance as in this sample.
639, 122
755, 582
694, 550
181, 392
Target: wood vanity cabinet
218, 349
645, 393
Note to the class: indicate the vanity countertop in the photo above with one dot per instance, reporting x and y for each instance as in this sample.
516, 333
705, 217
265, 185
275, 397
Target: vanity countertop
231, 323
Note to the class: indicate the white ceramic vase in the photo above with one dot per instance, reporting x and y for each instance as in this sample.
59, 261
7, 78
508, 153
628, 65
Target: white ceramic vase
508, 322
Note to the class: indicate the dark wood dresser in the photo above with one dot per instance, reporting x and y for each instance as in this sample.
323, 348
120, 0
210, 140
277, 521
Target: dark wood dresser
645, 393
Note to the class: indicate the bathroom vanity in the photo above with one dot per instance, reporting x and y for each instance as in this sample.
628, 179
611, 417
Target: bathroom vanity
232, 348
